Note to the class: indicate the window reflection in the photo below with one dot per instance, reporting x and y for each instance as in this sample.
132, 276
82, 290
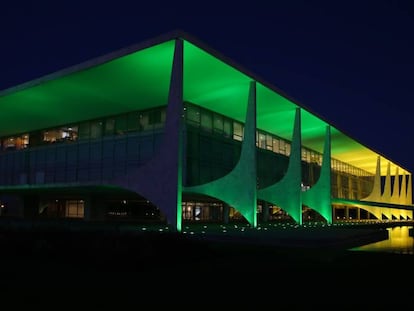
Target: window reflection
15, 142
61, 134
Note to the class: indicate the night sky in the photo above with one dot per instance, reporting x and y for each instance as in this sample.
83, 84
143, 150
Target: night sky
350, 62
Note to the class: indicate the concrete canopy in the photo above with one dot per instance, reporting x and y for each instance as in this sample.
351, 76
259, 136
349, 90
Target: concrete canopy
138, 77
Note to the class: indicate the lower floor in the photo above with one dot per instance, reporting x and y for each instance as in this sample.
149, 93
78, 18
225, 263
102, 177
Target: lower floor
115, 206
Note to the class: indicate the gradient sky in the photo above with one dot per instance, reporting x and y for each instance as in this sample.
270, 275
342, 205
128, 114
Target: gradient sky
350, 62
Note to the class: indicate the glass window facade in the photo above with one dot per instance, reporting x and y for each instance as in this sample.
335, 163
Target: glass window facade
204, 168
207, 158
92, 129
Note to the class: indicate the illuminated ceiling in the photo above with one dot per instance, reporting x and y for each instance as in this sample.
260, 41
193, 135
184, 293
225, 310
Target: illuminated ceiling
217, 86
136, 81
139, 79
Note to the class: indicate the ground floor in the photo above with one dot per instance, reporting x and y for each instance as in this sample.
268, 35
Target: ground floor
110, 205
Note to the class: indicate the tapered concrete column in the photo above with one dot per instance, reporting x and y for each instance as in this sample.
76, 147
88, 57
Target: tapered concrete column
160, 179
238, 187
318, 197
286, 193
374, 210
395, 197
375, 195
403, 192
409, 200
386, 195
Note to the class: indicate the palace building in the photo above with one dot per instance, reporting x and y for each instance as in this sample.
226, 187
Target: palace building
170, 130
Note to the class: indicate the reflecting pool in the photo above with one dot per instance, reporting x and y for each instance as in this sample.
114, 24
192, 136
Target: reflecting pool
399, 241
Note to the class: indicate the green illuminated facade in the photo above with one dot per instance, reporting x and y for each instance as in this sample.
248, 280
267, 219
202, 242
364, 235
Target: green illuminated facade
170, 131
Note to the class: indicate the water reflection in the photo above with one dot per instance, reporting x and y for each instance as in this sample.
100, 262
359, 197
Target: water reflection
399, 241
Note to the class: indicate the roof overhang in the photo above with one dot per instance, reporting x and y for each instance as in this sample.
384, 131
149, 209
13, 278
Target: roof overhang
138, 78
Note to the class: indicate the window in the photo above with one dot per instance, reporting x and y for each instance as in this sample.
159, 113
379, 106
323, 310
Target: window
70, 132
74, 209
15, 143
96, 129
84, 130
269, 142
144, 121
193, 115
155, 118
305, 155
133, 121
158, 117
287, 148
275, 142
227, 127
121, 125
163, 115
109, 127
218, 123
237, 131
9, 143
262, 141
206, 121
282, 146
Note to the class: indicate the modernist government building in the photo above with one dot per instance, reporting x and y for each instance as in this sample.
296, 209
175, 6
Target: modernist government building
169, 130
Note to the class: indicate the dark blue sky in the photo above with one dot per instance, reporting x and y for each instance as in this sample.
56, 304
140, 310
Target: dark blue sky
350, 62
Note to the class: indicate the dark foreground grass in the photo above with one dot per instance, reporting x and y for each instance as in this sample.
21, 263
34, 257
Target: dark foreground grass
61, 269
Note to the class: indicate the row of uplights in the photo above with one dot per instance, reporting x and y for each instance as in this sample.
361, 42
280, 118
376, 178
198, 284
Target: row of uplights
245, 228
